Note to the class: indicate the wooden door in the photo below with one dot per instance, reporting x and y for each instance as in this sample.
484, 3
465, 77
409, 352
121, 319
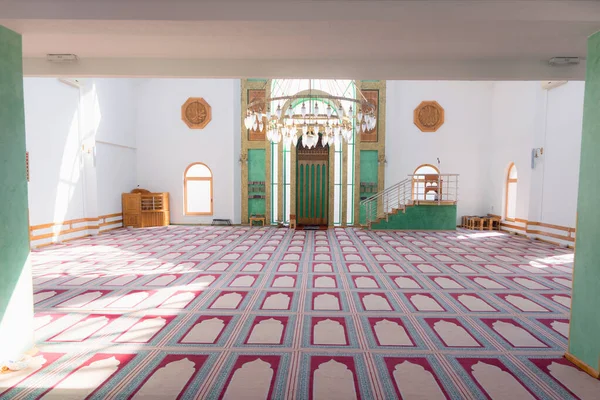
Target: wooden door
131, 209
312, 185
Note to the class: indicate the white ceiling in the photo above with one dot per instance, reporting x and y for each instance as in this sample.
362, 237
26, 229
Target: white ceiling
365, 39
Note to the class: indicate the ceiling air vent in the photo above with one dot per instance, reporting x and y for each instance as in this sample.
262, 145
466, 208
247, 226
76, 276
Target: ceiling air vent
555, 61
62, 58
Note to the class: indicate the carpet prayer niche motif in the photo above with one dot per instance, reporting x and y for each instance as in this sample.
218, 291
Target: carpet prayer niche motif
257, 313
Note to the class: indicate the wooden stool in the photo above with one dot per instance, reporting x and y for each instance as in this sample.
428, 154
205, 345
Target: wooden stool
494, 223
257, 218
474, 223
292, 221
486, 223
465, 221
469, 222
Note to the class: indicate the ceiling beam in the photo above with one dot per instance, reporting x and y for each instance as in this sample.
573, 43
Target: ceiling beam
325, 69
304, 10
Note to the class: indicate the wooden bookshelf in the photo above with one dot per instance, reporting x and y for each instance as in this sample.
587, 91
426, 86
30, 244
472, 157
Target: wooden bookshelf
143, 209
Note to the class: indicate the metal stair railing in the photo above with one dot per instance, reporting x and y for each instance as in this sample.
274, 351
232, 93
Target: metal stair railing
400, 195
380, 205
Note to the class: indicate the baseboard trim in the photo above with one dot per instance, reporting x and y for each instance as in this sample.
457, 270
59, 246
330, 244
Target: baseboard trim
570, 246
38, 246
74, 228
582, 366
510, 226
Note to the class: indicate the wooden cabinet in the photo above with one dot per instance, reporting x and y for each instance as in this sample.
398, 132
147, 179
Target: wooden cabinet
142, 209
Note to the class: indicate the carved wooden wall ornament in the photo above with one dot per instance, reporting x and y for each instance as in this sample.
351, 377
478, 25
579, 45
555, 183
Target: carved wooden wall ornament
429, 116
196, 113
372, 96
257, 96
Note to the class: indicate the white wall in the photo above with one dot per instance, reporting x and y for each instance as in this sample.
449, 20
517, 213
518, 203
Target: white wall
114, 105
459, 143
488, 126
117, 115
526, 116
513, 122
52, 129
166, 146
66, 183
141, 140
237, 151
562, 149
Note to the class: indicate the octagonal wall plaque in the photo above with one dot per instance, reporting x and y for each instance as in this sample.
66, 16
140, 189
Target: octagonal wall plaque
429, 116
196, 113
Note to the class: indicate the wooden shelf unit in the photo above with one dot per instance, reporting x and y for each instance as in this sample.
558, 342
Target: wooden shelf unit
145, 209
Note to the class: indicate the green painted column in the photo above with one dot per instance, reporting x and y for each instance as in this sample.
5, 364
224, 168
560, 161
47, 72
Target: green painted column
16, 293
584, 337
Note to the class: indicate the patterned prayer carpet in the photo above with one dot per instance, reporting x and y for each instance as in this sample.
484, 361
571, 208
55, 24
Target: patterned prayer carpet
253, 313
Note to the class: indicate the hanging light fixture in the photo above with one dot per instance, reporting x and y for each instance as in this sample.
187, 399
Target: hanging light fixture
332, 127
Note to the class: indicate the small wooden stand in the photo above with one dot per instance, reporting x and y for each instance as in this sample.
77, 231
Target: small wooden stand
292, 221
481, 223
494, 223
258, 218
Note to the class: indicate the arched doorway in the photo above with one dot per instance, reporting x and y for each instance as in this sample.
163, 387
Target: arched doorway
510, 201
312, 184
425, 183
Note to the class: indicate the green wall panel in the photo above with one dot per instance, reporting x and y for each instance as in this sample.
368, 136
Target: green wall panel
369, 170
256, 165
324, 189
14, 224
584, 337
421, 217
256, 207
257, 173
300, 189
368, 166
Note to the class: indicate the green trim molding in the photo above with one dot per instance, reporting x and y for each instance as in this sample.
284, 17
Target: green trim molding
16, 293
584, 336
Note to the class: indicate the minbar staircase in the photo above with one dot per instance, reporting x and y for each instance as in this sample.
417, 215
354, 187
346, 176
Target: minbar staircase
390, 201
408, 193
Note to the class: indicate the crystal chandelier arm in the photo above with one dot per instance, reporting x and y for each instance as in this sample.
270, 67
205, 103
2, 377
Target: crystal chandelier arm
285, 116
305, 96
319, 94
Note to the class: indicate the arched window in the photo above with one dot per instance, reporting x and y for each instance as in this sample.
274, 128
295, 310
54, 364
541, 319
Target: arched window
510, 202
198, 190
425, 183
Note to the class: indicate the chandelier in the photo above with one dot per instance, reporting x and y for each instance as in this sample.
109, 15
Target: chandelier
327, 113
